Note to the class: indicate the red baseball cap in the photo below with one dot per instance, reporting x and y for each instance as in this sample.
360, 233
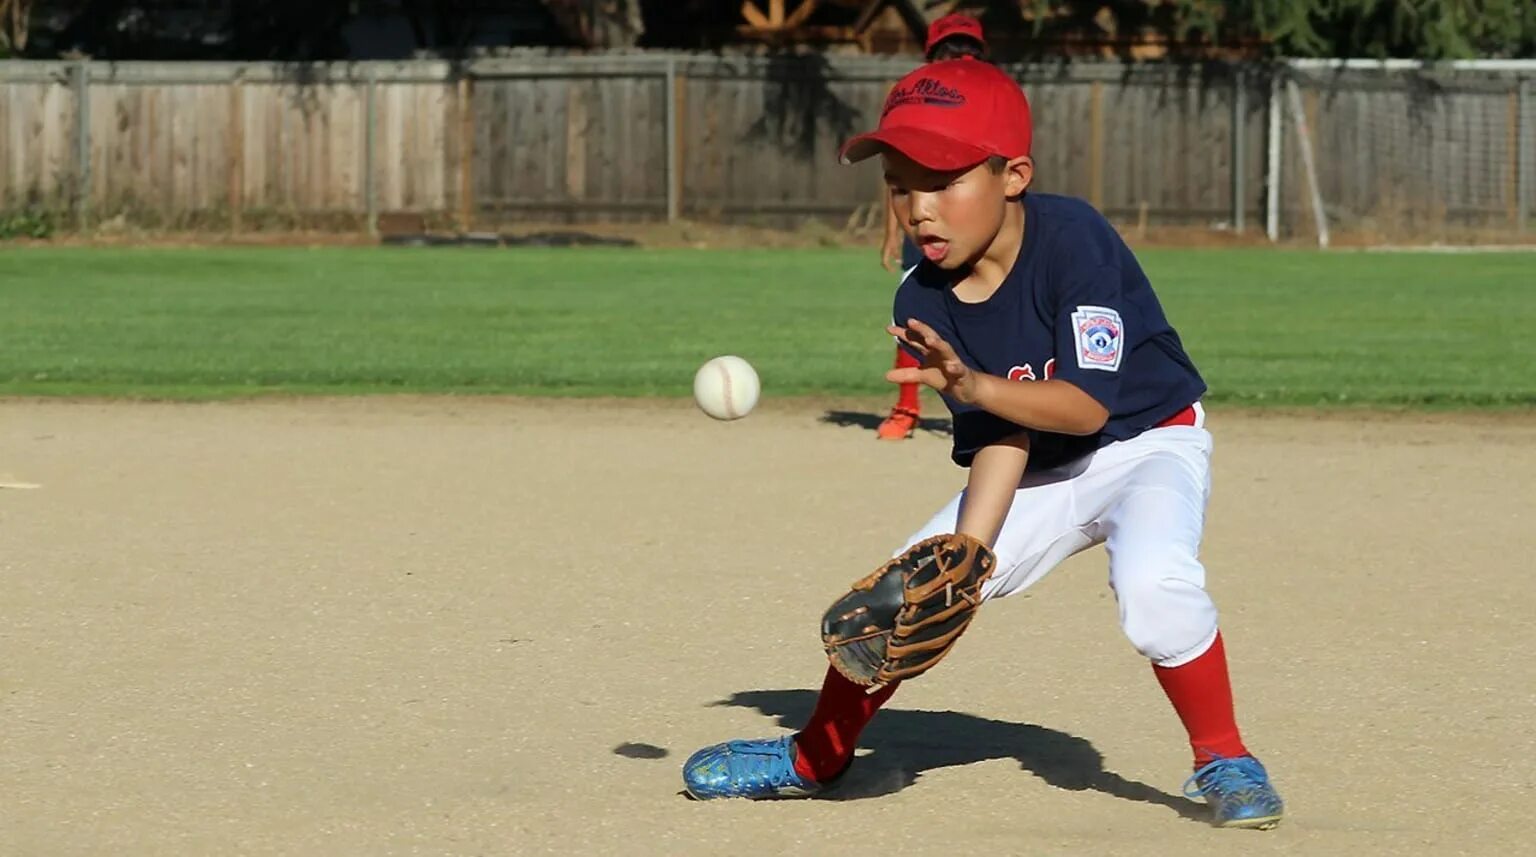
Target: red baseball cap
950, 115
954, 25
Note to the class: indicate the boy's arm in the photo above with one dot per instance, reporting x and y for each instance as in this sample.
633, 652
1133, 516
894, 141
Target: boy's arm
1052, 406
995, 475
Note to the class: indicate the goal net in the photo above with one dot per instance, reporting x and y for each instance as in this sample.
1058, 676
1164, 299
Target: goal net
1407, 155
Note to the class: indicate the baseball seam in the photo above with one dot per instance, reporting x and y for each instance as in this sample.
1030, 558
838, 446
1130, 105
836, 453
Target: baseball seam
725, 378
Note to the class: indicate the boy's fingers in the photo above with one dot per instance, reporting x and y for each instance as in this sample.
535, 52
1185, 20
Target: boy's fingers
921, 328
909, 337
921, 333
929, 335
904, 376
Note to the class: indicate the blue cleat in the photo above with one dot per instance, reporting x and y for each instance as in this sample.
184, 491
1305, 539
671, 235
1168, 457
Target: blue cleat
1239, 793
757, 769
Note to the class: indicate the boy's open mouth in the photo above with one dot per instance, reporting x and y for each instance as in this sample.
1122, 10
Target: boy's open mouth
934, 247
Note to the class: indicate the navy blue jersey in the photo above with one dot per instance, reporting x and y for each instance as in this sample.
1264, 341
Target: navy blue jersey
1075, 307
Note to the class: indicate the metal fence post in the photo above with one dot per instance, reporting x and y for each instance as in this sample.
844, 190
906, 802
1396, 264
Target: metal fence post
1096, 144
370, 115
674, 168
466, 152
1272, 181
235, 141
82, 76
1525, 142
1239, 148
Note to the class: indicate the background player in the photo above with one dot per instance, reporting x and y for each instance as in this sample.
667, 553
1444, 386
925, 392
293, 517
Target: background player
1075, 408
949, 37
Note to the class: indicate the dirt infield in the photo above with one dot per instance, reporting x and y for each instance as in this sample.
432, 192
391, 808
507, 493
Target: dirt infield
450, 627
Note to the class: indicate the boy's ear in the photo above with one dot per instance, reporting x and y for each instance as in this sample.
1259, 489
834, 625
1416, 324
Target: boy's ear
1017, 175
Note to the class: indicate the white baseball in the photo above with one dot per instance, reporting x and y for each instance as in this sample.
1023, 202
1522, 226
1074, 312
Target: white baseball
726, 388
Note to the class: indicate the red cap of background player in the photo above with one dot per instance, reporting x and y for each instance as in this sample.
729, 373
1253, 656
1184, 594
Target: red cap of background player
950, 115
954, 25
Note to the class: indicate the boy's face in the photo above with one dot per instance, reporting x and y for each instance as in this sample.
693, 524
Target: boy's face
953, 216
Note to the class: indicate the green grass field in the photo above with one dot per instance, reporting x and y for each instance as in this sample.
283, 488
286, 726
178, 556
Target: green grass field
1265, 326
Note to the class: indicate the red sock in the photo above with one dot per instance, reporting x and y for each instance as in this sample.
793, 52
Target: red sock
908, 398
825, 745
1201, 693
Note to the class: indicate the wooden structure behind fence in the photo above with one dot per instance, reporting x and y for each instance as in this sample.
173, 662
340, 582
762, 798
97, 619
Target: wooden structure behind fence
645, 136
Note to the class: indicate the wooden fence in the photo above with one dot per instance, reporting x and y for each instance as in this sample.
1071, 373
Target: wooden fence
577, 138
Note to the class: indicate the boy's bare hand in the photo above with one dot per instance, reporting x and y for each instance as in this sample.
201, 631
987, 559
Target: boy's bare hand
942, 368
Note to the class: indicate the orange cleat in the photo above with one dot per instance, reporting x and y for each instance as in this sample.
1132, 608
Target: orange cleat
899, 425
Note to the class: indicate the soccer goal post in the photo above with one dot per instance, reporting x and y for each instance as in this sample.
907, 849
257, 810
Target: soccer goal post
1402, 152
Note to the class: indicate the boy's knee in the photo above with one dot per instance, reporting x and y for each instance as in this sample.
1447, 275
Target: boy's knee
1166, 615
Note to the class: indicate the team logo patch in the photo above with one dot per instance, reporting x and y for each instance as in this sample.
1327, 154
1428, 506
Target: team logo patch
1100, 337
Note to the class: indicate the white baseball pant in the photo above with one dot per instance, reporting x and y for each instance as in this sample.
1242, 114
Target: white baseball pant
1144, 499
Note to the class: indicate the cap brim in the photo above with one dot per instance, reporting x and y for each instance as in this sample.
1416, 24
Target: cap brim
930, 148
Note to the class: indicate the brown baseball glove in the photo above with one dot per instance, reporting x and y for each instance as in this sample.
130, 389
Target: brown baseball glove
902, 619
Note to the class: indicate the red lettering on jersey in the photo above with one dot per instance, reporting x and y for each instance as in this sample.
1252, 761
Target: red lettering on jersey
1027, 371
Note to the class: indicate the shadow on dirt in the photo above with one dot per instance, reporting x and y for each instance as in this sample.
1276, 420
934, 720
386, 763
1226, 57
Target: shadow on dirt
903, 744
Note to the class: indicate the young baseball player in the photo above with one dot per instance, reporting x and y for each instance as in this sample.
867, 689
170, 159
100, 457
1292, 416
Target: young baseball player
949, 37
1078, 415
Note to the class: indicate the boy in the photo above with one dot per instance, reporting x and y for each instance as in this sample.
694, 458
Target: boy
1075, 408
949, 37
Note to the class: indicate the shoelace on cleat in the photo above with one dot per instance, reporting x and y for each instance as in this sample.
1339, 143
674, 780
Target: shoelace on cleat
1225, 778
764, 765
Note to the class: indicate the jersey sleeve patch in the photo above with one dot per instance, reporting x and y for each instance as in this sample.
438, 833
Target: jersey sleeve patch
1100, 338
